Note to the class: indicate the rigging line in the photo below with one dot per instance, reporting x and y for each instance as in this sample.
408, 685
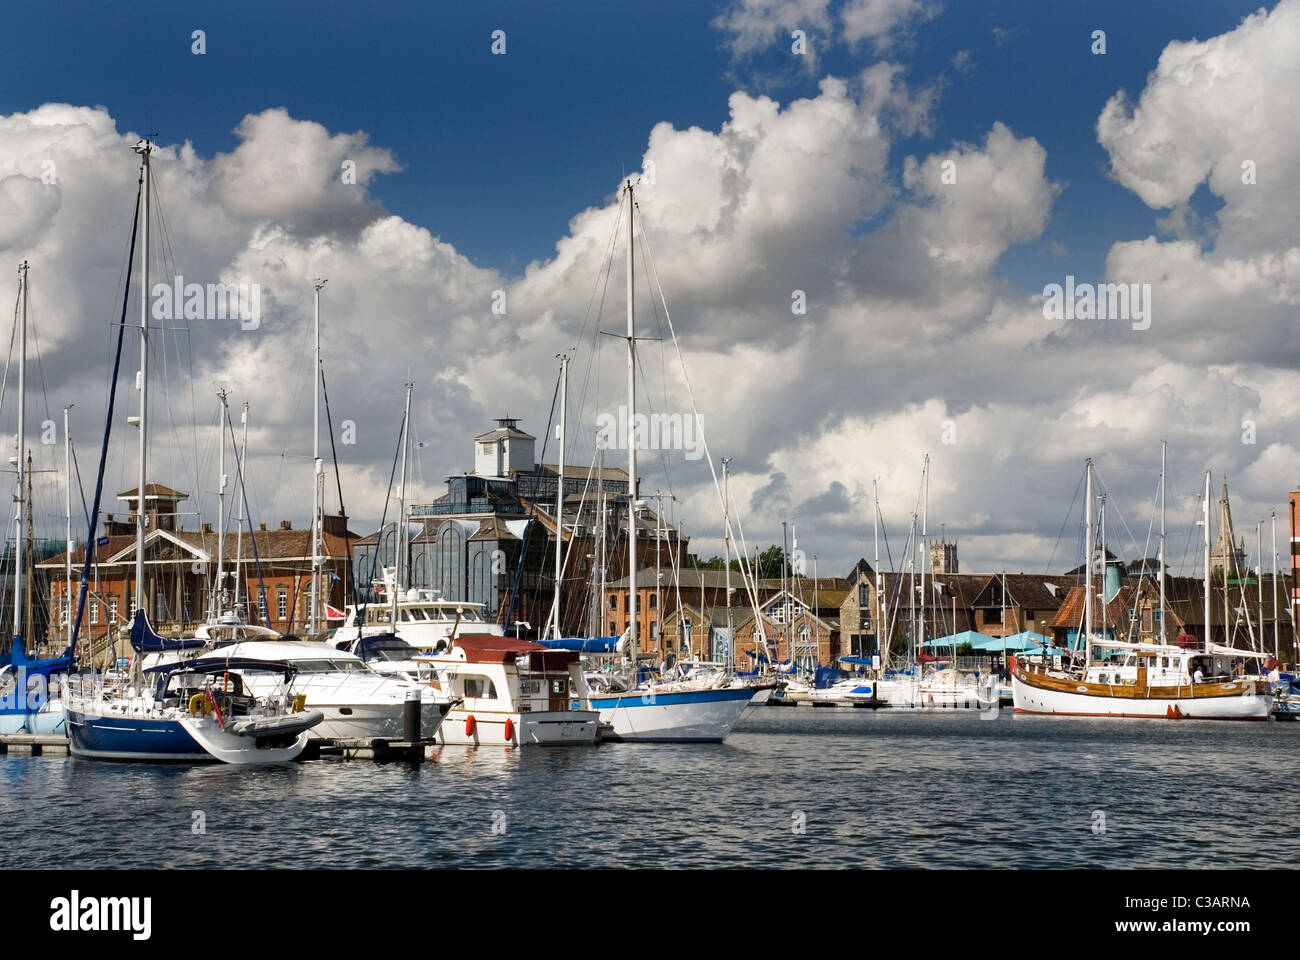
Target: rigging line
532, 510
13, 338
264, 613
351, 586
108, 427
383, 519
1111, 499
690, 391
1069, 512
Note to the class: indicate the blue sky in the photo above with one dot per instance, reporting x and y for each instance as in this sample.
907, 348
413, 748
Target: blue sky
933, 295
499, 152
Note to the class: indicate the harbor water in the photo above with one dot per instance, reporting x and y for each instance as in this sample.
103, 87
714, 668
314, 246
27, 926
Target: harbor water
790, 788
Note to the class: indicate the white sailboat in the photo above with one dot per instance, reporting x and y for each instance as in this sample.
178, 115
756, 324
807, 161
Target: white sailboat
1151, 679
671, 711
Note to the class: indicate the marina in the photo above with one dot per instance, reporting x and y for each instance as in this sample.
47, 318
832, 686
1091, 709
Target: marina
678, 443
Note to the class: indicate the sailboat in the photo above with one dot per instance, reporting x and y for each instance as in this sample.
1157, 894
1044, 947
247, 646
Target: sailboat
29, 687
187, 710
679, 711
1154, 679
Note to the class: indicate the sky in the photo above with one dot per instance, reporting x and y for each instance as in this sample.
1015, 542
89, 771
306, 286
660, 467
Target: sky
856, 209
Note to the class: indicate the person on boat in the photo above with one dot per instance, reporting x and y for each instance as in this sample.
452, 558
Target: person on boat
1198, 676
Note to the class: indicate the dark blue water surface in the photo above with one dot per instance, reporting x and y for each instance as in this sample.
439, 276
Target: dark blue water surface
791, 788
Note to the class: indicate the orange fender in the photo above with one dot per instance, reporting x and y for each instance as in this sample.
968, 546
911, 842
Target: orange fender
510, 729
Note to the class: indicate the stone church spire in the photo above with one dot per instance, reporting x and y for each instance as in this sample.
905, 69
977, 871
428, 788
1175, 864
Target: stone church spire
1227, 553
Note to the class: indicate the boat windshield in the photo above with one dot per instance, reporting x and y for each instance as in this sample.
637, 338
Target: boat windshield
330, 666
391, 650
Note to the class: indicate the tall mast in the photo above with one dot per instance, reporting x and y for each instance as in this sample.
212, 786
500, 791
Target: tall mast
631, 434
726, 548
785, 599
1105, 566
400, 539
1087, 576
923, 544
604, 523
67, 508
220, 593
659, 598
1259, 583
1205, 522
875, 571
145, 149
21, 514
1277, 643
554, 629
239, 526
318, 467
1161, 556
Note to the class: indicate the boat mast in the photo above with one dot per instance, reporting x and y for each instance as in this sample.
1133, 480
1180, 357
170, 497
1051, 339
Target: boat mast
145, 149
785, 600
1105, 566
239, 526
923, 544
1161, 557
554, 628
1277, 644
1087, 576
400, 539
21, 513
67, 507
659, 601
604, 524
631, 435
318, 467
220, 593
875, 572
726, 549
1259, 585
1205, 536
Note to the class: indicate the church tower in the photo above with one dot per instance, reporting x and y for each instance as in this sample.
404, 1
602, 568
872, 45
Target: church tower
1226, 554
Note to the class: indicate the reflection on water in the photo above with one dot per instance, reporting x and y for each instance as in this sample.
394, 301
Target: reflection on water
792, 787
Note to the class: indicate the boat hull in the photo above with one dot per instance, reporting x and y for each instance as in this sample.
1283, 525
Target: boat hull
539, 728
360, 721
1235, 700
126, 737
694, 716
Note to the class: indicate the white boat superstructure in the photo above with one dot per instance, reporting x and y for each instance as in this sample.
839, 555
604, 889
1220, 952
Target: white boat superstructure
356, 701
424, 619
510, 692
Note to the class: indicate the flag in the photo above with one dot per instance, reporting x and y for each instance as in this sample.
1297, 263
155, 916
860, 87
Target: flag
334, 613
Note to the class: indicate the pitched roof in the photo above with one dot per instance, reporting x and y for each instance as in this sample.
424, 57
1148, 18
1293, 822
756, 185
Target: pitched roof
153, 490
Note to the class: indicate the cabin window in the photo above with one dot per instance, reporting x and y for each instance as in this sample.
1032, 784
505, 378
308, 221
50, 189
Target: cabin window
480, 688
560, 686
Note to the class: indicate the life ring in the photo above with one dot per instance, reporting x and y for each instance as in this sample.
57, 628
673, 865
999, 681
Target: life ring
469, 725
510, 730
199, 703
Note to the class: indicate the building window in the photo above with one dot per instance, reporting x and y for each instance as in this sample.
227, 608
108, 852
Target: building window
613, 628
112, 610
282, 605
864, 599
94, 612
654, 601
613, 601
993, 615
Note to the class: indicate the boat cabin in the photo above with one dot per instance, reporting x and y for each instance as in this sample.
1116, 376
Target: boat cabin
493, 673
